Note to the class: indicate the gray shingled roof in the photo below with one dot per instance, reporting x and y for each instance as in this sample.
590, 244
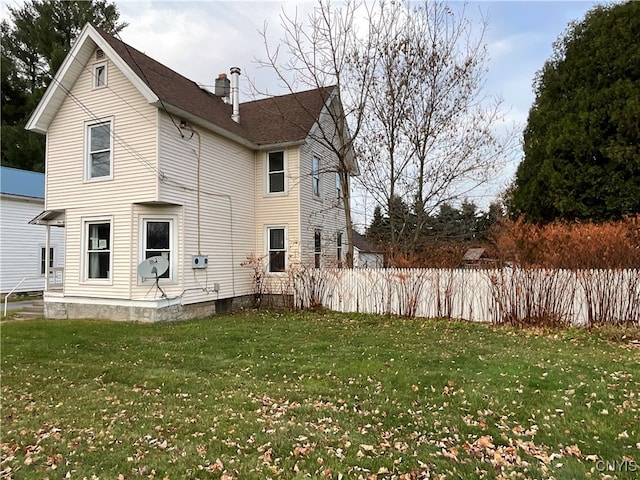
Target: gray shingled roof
286, 118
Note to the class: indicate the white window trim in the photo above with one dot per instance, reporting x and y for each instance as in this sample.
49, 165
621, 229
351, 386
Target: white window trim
338, 188
87, 149
267, 258
173, 245
84, 272
318, 193
339, 246
41, 247
317, 253
285, 163
94, 75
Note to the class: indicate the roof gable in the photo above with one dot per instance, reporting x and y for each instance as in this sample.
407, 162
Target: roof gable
270, 121
65, 78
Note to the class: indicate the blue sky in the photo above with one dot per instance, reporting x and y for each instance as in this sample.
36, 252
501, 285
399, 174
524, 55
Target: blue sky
201, 39
206, 38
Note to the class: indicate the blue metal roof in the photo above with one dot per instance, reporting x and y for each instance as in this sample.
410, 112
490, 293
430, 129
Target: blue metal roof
21, 182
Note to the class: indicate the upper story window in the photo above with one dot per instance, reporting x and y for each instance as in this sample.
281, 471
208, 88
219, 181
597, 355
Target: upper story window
277, 248
98, 250
275, 172
99, 145
339, 248
315, 176
338, 188
100, 75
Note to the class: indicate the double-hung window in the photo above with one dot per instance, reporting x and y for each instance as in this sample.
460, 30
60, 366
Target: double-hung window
99, 150
339, 248
157, 241
338, 188
315, 176
277, 248
317, 249
98, 250
275, 172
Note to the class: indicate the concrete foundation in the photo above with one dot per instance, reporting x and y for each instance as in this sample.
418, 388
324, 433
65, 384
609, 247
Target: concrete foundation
60, 309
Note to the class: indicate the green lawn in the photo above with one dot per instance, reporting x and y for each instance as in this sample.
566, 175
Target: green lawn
316, 395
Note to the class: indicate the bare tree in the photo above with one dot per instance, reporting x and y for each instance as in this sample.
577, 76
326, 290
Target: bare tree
430, 133
328, 49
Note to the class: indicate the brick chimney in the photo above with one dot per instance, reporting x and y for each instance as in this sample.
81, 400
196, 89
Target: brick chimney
223, 88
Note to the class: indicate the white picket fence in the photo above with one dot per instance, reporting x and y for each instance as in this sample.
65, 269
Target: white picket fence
503, 295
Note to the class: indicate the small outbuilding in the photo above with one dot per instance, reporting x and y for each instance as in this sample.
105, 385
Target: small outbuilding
366, 254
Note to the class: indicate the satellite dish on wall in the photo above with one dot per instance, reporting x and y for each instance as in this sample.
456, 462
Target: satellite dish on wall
153, 267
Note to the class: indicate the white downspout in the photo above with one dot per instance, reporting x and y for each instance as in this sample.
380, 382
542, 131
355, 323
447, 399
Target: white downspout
235, 93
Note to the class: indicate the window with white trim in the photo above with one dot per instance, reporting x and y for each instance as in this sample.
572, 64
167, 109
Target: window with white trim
100, 75
43, 259
338, 188
157, 240
275, 172
99, 146
339, 248
315, 176
317, 248
98, 250
277, 248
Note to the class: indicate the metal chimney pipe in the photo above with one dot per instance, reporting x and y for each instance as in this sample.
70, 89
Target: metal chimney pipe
235, 93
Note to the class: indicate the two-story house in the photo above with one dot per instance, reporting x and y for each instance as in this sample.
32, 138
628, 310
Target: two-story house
142, 162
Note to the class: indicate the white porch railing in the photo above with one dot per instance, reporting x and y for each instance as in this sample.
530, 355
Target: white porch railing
56, 278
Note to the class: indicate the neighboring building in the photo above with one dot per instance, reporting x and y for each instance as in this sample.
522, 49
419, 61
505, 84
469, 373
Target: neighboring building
477, 258
142, 162
366, 254
23, 246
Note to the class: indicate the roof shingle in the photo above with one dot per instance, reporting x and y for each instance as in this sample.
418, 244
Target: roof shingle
282, 119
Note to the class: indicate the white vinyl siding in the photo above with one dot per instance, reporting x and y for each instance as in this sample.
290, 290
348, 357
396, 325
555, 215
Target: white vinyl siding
319, 212
134, 173
279, 210
226, 205
21, 244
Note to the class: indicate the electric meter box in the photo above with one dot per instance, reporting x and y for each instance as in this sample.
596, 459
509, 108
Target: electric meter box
199, 261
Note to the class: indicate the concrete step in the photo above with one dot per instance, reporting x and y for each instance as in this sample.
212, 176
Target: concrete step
35, 310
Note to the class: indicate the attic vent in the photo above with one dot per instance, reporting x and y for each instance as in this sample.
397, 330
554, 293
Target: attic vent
99, 54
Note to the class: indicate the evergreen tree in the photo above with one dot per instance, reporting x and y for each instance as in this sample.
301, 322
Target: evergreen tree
582, 141
34, 44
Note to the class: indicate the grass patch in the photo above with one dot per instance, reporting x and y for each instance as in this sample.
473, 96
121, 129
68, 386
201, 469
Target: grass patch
320, 395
